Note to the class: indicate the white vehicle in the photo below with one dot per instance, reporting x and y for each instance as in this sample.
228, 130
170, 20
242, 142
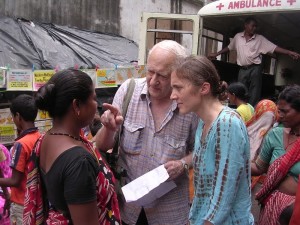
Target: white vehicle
218, 22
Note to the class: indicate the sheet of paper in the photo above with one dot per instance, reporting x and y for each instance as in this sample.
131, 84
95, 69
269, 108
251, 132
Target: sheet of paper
148, 187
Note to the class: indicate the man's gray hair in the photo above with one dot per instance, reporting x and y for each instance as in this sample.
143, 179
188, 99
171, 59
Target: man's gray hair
174, 47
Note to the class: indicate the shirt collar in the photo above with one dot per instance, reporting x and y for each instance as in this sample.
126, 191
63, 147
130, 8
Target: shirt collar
25, 132
145, 95
243, 35
144, 92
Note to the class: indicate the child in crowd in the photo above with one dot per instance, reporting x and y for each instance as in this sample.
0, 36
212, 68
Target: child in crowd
24, 112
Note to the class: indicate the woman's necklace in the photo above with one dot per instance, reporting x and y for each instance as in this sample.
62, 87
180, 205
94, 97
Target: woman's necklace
288, 144
294, 133
66, 134
88, 145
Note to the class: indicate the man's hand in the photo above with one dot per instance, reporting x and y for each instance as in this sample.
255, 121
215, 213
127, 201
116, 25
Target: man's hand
212, 56
294, 55
111, 118
174, 168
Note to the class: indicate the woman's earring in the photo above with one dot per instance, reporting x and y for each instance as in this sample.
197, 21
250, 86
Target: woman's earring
78, 113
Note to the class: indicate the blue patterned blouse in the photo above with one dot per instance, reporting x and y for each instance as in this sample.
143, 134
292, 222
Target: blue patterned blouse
222, 173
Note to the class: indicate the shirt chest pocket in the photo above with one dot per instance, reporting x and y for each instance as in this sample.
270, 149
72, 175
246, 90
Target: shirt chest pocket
176, 148
132, 138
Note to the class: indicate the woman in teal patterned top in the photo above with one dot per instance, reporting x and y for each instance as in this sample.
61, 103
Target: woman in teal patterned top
221, 156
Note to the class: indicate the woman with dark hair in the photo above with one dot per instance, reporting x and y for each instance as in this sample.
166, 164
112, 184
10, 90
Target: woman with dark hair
279, 156
75, 187
238, 95
221, 153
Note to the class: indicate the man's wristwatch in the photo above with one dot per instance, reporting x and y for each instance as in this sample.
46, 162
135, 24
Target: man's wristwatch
185, 166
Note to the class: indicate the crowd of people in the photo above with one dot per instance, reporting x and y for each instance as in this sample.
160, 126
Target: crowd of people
176, 118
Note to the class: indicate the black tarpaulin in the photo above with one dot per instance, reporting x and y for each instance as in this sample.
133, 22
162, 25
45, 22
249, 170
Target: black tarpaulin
47, 46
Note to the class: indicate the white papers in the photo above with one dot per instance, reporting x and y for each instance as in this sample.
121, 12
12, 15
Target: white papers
148, 187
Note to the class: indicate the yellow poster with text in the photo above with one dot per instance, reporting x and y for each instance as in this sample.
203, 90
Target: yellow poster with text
41, 77
19, 80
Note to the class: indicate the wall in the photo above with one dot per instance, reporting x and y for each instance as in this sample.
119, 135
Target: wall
99, 15
131, 13
111, 16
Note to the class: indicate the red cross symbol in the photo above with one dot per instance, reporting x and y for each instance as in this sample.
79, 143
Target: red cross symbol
291, 1
221, 5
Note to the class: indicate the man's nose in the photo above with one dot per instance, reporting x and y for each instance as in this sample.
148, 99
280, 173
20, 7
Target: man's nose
154, 80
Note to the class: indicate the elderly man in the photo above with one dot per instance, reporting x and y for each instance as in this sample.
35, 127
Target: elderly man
153, 134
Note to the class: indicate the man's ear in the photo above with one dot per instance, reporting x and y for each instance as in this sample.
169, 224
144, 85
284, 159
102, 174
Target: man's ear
18, 117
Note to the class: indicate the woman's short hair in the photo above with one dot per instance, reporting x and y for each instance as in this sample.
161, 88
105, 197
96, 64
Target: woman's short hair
291, 94
239, 90
199, 69
63, 87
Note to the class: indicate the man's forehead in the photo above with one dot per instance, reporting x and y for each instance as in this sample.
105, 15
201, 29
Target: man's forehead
162, 69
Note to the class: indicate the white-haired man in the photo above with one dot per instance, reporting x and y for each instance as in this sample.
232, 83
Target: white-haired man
153, 134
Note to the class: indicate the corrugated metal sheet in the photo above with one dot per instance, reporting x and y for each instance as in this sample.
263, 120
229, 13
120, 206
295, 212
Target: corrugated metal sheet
98, 15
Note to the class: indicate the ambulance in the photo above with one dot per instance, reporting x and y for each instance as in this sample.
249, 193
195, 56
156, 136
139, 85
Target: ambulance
216, 24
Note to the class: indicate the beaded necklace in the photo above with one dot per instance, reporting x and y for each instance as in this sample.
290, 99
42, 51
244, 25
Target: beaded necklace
68, 135
88, 145
294, 133
288, 144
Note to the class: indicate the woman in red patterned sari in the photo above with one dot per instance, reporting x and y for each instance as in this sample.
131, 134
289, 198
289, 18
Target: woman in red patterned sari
295, 220
67, 183
279, 156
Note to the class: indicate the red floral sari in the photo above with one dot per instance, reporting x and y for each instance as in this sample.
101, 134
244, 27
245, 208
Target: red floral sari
273, 201
36, 210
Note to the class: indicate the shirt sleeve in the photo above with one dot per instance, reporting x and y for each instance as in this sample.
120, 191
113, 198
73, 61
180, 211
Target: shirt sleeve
266, 46
241, 111
232, 44
80, 181
231, 164
19, 156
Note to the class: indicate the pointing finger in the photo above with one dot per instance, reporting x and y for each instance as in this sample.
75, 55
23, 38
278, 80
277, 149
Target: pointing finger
113, 109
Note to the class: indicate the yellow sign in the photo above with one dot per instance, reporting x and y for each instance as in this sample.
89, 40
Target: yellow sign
7, 130
101, 73
19, 80
42, 115
41, 77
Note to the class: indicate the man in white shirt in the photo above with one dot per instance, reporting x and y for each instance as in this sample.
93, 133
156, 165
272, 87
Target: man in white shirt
249, 47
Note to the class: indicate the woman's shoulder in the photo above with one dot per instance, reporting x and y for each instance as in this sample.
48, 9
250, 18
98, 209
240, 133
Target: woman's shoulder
231, 115
75, 156
229, 119
276, 131
245, 108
